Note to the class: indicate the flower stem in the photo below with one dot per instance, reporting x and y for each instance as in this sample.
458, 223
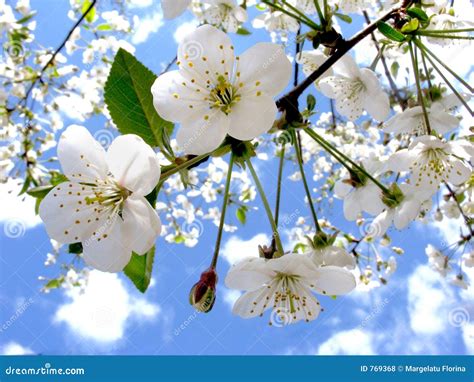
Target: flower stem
416, 73
280, 174
182, 166
453, 89
223, 212
299, 157
276, 235
341, 157
452, 72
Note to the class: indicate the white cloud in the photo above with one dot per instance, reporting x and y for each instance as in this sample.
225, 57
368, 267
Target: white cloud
139, 3
236, 249
184, 29
146, 26
231, 296
350, 342
102, 312
14, 348
428, 301
14, 208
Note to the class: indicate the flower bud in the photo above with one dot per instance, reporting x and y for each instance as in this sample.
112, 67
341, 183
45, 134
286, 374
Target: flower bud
203, 294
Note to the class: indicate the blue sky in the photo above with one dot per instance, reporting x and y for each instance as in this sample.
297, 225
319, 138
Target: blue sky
408, 316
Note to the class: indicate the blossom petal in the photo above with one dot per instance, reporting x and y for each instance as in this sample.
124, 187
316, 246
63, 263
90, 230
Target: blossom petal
176, 98
376, 102
334, 281
264, 67
203, 135
254, 303
206, 54
146, 223
134, 164
68, 216
249, 274
252, 117
110, 252
459, 173
81, 156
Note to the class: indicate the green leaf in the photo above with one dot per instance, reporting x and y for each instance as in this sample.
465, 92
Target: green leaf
91, 15
345, 18
310, 102
104, 27
130, 102
418, 13
139, 269
39, 192
241, 215
243, 31
390, 33
26, 18
411, 26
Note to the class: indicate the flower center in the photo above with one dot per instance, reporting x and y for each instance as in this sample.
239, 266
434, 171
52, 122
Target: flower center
224, 95
110, 195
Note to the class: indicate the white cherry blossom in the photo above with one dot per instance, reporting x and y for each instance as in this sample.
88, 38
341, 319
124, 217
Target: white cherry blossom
365, 197
312, 60
214, 93
401, 215
355, 90
432, 161
225, 13
103, 204
285, 284
353, 6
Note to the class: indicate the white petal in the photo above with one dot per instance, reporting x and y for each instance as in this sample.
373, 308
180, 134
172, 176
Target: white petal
176, 98
201, 136
370, 198
81, 156
205, 54
252, 117
266, 64
67, 215
254, 303
401, 160
134, 164
346, 66
146, 223
376, 100
334, 281
341, 189
351, 206
459, 174
249, 274
110, 252
338, 257
443, 122
381, 223
406, 213
349, 102
174, 8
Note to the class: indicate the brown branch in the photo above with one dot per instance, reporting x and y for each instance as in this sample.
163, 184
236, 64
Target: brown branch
289, 102
58, 49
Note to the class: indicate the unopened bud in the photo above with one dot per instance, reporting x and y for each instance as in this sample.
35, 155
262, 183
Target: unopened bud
203, 294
